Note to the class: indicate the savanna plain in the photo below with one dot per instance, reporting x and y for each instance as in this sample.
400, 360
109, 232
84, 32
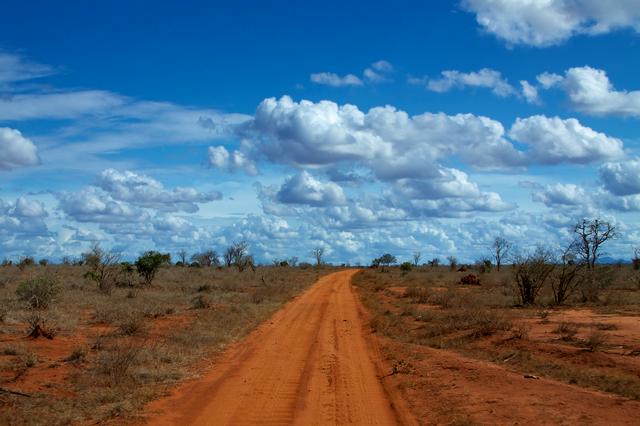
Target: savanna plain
103, 342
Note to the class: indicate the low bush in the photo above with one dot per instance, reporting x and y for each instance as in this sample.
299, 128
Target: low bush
38, 292
116, 362
132, 324
568, 330
595, 340
200, 302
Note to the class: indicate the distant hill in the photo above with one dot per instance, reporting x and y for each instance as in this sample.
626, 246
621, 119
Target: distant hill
608, 260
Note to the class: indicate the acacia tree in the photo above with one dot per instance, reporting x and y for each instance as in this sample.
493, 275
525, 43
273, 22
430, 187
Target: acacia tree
385, 260
207, 258
590, 236
237, 254
149, 263
501, 249
318, 253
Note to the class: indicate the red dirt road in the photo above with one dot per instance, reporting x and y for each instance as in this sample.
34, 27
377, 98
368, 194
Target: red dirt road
311, 364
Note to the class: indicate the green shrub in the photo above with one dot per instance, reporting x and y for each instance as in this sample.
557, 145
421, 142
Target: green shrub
39, 292
149, 263
405, 267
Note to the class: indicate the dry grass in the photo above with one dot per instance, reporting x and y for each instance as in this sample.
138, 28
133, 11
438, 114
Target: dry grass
428, 306
116, 352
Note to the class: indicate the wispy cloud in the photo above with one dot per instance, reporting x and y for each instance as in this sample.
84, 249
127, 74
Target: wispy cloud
333, 79
377, 72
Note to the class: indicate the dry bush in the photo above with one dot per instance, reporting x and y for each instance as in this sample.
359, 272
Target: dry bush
132, 324
520, 331
40, 325
116, 361
103, 268
567, 329
38, 292
417, 294
488, 322
445, 299
27, 360
595, 340
605, 326
531, 274
596, 281
200, 302
78, 355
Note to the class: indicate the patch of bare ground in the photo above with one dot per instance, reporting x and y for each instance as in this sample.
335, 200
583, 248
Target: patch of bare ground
111, 354
462, 354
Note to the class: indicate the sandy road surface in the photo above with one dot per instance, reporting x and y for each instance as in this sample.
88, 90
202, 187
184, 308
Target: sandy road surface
310, 364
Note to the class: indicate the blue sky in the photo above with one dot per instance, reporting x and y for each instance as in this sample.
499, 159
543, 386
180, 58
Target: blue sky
363, 127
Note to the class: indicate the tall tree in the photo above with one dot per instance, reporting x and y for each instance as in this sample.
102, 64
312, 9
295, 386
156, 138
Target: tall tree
590, 236
501, 248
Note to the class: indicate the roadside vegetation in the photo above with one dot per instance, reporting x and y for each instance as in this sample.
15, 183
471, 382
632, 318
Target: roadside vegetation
95, 339
562, 315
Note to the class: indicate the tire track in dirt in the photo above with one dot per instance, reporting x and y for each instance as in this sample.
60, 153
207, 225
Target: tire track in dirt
310, 364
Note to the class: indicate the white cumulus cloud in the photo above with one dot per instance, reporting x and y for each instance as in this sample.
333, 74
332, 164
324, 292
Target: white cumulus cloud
560, 194
553, 140
548, 22
222, 159
621, 178
16, 150
303, 188
386, 140
144, 191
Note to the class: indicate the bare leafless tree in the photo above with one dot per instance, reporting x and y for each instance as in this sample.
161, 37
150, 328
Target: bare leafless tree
318, 254
182, 254
590, 236
501, 249
416, 258
237, 254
